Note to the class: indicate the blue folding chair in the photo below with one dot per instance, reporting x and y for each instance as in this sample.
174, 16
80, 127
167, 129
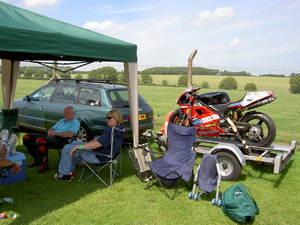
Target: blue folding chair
112, 160
176, 166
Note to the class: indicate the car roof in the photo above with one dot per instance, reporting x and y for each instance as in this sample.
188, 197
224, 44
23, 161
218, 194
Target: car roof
96, 83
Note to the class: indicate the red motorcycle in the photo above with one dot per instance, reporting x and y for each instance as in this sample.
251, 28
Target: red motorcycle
215, 115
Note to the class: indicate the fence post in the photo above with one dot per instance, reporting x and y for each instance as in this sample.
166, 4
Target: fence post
190, 66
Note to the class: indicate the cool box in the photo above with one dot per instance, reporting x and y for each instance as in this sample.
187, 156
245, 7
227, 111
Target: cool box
20, 159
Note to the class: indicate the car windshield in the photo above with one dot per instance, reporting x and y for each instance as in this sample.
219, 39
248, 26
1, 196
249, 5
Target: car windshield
119, 98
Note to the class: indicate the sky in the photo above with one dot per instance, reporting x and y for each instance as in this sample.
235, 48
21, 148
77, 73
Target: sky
241, 35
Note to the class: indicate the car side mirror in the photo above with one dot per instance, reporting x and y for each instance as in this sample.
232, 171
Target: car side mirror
26, 98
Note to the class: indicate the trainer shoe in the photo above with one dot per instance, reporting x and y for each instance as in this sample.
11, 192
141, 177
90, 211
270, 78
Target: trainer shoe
63, 177
44, 167
4, 135
11, 149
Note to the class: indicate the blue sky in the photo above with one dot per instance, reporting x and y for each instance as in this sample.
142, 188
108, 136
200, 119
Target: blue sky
226, 33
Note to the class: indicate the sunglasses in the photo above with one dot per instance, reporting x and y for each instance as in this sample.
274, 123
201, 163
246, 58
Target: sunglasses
109, 117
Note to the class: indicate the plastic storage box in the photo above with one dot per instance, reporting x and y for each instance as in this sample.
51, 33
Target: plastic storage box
20, 159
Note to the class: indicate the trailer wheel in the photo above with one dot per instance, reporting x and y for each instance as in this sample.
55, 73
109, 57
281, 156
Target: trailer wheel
230, 165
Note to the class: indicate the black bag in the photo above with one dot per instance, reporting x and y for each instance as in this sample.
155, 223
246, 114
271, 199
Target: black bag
238, 204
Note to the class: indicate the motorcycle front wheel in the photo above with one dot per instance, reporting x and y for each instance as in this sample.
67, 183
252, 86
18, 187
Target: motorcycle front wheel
262, 132
177, 118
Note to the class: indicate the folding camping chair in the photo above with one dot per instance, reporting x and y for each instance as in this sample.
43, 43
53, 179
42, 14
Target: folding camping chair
141, 154
113, 160
178, 162
207, 178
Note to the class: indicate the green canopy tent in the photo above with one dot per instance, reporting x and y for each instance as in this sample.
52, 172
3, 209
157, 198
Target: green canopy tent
25, 35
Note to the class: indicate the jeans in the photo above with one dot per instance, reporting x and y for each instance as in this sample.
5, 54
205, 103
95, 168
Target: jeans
67, 164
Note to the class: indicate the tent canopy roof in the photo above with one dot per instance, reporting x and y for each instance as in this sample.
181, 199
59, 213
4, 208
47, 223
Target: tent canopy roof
26, 35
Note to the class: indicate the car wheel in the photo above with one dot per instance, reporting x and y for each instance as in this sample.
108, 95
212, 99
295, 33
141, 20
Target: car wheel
84, 133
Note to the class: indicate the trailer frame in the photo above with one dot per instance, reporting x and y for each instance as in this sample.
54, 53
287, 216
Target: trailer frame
277, 155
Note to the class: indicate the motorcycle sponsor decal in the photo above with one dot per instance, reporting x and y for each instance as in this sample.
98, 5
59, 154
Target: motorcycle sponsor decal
212, 124
205, 120
213, 131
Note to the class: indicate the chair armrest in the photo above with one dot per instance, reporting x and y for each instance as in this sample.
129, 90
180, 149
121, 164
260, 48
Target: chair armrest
90, 151
143, 146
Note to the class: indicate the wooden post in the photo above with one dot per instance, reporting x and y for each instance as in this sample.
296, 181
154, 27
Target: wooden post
54, 72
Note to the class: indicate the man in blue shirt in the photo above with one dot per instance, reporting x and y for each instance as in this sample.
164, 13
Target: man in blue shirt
62, 131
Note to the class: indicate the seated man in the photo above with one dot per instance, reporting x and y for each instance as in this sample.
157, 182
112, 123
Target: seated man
98, 144
38, 144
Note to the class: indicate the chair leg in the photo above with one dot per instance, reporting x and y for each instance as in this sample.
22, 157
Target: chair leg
59, 152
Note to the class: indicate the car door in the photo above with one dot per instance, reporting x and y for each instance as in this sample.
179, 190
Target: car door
33, 107
91, 109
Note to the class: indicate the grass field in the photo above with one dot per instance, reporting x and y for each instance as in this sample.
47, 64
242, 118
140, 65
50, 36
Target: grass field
280, 85
284, 110
43, 200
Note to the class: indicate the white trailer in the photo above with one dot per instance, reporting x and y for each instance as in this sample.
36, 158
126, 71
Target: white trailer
231, 155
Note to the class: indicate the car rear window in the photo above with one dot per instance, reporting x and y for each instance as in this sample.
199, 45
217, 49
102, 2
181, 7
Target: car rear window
119, 98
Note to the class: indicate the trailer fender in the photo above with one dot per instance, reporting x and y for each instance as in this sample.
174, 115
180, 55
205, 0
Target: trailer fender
232, 148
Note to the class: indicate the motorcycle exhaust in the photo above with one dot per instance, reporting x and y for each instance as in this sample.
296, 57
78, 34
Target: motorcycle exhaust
261, 103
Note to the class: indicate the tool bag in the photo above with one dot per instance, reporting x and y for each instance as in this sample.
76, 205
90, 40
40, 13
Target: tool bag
238, 204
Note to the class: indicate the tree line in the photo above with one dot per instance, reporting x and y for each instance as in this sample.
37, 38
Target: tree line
37, 71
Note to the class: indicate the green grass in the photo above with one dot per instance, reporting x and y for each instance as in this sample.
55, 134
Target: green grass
43, 200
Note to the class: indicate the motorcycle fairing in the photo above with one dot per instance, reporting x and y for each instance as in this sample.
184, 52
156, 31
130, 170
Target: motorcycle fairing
250, 98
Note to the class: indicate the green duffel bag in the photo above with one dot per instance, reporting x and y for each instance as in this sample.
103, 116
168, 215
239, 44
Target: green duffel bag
238, 204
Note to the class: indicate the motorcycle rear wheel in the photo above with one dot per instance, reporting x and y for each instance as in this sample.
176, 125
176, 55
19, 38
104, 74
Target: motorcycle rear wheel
265, 127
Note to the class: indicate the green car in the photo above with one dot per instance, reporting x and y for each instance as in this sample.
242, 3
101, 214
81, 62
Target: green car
91, 99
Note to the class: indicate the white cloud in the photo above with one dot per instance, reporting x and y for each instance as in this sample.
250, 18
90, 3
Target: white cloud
94, 25
31, 3
107, 27
225, 13
219, 15
234, 45
235, 42
108, 9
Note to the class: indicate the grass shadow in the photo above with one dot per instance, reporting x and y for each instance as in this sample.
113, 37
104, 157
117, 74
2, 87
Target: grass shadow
42, 194
260, 170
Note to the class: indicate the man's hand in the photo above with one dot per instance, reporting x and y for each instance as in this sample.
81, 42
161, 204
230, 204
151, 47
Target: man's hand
16, 169
51, 133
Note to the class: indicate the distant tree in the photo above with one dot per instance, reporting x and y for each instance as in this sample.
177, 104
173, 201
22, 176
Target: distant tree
39, 74
228, 83
109, 72
66, 75
95, 74
145, 78
295, 83
250, 87
182, 81
28, 72
78, 76
122, 77
49, 74
165, 83
205, 84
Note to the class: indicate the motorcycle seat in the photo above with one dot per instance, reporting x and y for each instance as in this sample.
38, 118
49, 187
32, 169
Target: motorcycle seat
219, 107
